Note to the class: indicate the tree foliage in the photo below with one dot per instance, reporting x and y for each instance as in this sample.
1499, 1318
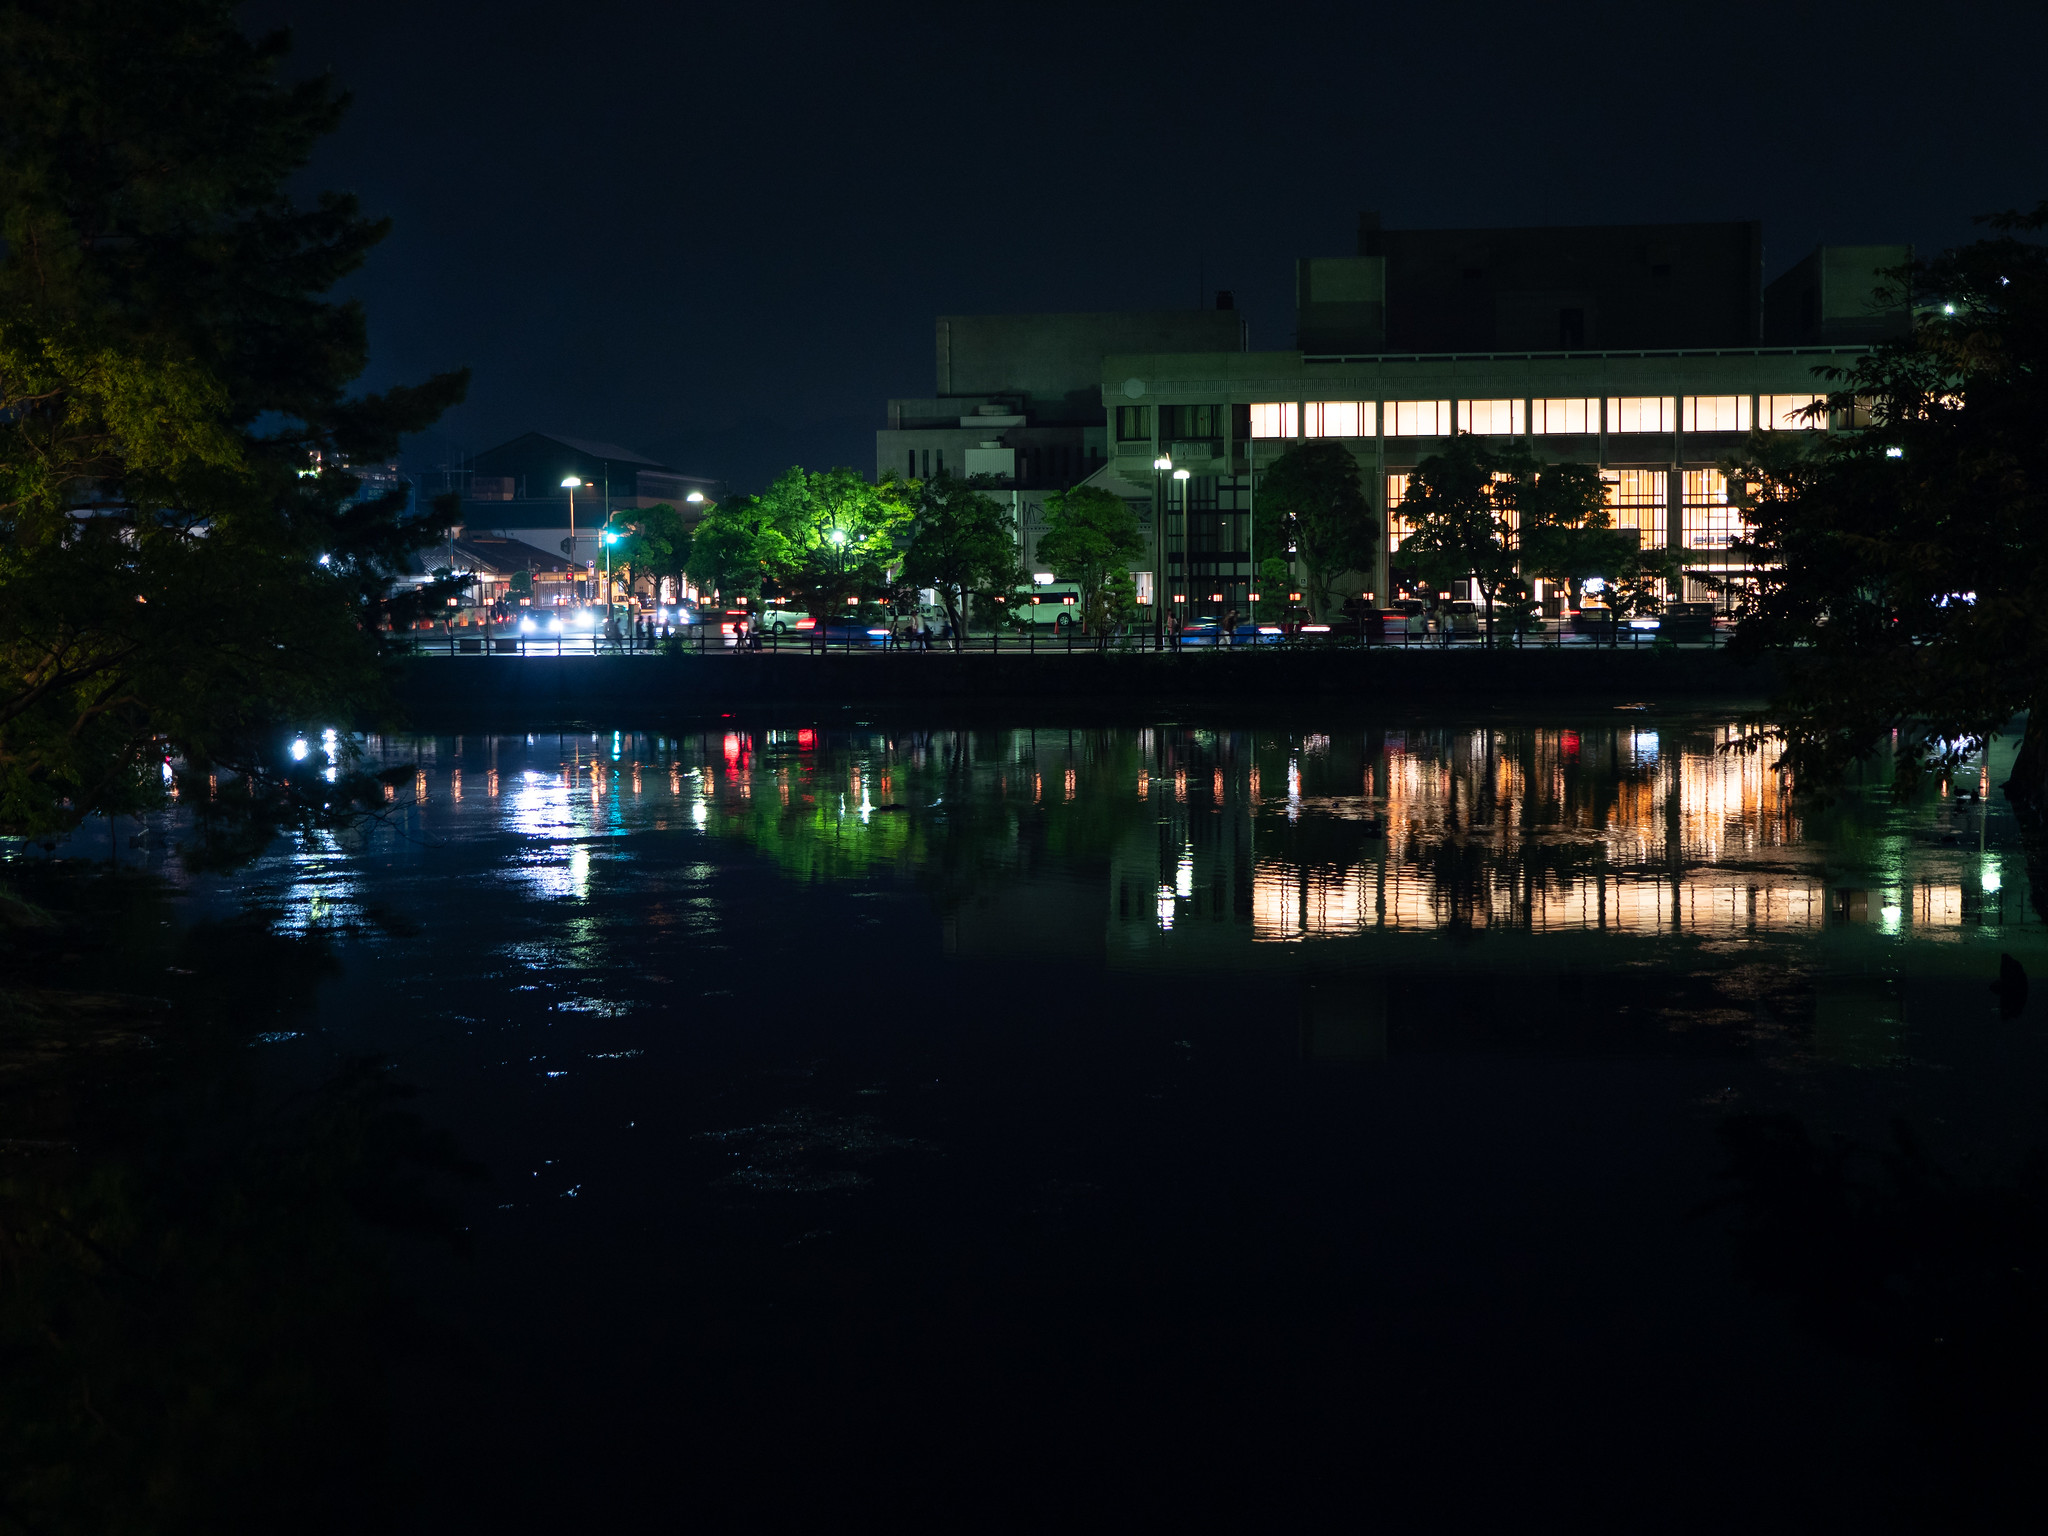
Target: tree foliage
963, 545
654, 543
186, 567
1311, 502
1460, 507
1906, 562
818, 536
1089, 532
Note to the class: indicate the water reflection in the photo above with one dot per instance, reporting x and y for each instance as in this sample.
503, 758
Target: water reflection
1183, 844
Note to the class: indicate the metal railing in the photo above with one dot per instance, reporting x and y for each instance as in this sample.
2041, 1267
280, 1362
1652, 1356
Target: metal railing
705, 640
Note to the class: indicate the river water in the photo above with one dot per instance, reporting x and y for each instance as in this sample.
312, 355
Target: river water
1170, 1120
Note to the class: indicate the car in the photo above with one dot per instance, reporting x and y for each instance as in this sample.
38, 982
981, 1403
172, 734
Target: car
850, 631
1407, 619
785, 621
1210, 632
1057, 603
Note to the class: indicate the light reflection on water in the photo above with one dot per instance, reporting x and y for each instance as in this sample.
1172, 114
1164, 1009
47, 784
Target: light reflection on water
1189, 843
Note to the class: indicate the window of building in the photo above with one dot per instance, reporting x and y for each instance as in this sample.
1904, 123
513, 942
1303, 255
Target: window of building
1490, 418
1282, 419
942, 460
1557, 417
1418, 418
1710, 522
1786, 413
1635, 497
1650, 413
1134, 422
1715, 413
1338, 418
1185, 421
927, 463
1398, 527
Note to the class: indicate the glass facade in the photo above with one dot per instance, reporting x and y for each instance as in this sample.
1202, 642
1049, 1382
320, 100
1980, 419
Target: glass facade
1710, 522
1636, 498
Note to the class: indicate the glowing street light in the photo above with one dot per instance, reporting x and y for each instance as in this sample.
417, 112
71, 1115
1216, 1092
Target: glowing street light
569, 484
695, 498
1160, 466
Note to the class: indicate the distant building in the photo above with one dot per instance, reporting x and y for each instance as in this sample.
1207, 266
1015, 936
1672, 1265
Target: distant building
1019, 398
515, 490
1651, 351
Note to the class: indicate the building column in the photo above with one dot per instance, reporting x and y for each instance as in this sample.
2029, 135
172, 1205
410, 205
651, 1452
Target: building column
1382, 560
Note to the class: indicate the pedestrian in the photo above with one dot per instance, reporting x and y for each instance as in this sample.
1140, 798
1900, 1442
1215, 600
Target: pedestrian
1230, 627
924, 636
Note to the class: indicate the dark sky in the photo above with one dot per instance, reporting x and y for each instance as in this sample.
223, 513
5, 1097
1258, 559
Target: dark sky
720, 233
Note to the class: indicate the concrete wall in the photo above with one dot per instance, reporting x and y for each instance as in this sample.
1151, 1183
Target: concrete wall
1830, 295
1055, 361
1502, 290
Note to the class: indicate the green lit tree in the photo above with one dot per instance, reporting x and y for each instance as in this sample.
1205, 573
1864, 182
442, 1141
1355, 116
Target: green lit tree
735, 548
963, 545
836, 535
187, 567
1088, 533
1311, 503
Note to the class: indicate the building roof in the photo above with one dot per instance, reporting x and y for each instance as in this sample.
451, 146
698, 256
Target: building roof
544, 452
612, 452
495, 555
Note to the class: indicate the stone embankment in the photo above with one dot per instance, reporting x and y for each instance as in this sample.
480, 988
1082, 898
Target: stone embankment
529, 691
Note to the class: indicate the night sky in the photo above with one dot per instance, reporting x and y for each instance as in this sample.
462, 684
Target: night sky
720, 234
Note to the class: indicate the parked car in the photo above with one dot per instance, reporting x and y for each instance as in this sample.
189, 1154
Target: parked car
1055, 603
1595, 619
1687, 621
1461, 616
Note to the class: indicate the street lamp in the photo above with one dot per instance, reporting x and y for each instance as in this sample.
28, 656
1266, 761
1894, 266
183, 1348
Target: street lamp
610, 539
1160, 466
695, 498
569, 484
1185, 552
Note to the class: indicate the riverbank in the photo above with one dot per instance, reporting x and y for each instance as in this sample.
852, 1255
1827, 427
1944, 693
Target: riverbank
571, 690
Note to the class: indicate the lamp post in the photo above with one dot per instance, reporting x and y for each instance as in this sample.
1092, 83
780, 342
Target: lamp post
569, 484
1186, 554
1160, 466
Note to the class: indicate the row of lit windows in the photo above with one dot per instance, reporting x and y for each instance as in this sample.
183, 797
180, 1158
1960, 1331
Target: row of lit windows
1636, 501
1512, 418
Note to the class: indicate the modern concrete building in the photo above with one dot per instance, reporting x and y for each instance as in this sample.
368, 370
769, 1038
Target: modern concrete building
1641, 349
1019, 397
